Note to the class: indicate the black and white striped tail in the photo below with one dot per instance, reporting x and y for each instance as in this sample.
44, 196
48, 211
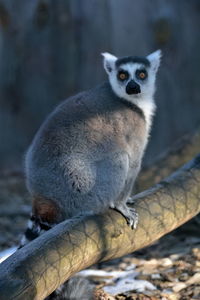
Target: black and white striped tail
34, 229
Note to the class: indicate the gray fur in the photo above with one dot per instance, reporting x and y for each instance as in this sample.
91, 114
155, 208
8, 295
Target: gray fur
87, 154
76, 288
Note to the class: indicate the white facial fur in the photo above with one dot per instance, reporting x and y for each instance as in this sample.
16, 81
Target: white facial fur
144, 100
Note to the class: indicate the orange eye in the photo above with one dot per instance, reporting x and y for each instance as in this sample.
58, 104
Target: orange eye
142, 75
122, 76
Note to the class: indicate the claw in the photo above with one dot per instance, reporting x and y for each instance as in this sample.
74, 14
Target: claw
132, 222
130, 215
131, 200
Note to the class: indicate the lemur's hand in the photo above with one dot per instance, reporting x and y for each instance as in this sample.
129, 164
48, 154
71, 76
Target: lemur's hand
129, 213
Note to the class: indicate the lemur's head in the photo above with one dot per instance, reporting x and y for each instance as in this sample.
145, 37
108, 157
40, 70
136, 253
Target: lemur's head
132, 78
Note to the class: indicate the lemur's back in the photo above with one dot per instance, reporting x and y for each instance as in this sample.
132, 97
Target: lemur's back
78, 149
88, 152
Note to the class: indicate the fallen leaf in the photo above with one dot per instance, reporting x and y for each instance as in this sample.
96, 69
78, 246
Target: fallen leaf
179, 286
195, 279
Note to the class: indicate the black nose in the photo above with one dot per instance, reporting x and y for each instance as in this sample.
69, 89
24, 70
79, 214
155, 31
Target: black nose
133, 88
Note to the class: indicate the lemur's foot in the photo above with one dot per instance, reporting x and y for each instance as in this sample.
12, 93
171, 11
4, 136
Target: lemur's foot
129, 213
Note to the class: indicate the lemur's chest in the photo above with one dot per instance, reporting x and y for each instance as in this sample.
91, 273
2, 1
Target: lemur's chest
132, 133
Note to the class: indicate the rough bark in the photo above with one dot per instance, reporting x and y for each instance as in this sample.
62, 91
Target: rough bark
34, 271
184, 150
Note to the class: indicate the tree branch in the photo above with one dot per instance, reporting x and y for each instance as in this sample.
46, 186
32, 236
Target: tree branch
185, 149
36, 270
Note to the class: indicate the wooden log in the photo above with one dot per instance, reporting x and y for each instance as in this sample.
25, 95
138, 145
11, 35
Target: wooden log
182, 151
36, 270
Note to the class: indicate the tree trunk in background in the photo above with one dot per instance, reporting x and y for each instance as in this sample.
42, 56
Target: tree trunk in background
51, 49
182, 151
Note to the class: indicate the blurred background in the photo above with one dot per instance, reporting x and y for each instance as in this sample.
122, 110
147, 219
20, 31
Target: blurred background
50, 49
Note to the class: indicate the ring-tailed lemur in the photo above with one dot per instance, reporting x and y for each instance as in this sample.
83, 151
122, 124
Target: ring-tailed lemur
88, 152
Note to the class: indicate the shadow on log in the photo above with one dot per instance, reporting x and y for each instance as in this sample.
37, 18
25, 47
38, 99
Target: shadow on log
36, 270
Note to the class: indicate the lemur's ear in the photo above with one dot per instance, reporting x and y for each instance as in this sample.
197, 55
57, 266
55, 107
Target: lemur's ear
154, 59
109, 61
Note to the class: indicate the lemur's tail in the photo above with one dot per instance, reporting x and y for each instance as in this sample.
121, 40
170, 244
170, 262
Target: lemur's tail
76, 288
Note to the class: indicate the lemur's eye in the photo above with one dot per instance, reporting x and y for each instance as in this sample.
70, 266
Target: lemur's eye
122, 75
141, 74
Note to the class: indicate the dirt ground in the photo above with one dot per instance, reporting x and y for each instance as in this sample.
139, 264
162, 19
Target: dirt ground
171, 265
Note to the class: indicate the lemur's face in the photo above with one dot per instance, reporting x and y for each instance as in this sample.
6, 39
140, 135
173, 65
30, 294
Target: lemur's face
131, 77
